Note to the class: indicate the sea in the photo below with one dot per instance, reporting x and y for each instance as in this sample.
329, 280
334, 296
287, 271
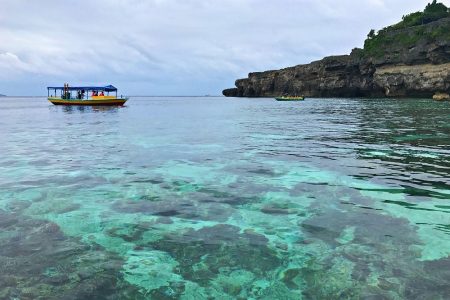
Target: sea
225, 198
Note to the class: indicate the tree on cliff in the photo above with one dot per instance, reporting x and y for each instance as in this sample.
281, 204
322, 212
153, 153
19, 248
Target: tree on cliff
371, 34
434, 11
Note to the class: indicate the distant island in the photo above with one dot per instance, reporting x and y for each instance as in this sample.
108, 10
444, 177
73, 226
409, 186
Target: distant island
1, 95
408, 59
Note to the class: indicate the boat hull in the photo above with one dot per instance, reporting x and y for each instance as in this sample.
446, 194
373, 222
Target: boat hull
96, 102
290, 98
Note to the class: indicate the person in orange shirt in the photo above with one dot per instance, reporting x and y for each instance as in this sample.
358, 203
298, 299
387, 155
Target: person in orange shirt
102, 94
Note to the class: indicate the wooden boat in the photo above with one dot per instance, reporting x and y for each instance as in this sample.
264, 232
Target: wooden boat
290, 98
95, 101
80, 95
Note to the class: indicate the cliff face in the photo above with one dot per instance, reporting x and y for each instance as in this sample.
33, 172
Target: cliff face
405, 62
419, 80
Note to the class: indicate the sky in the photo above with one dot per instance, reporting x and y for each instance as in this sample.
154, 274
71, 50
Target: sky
176, 47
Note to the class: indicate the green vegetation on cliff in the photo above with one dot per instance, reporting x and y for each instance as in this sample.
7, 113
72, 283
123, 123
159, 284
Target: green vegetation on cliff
408, 59
409, 31
433, 12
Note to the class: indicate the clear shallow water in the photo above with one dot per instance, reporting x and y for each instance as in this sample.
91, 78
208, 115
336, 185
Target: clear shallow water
197, 198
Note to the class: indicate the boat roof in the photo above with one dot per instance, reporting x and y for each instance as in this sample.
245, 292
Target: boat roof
108, 88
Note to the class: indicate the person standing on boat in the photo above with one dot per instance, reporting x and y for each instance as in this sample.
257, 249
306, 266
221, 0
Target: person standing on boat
102, 94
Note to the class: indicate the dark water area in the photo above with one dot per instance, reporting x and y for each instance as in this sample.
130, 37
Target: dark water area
222, 198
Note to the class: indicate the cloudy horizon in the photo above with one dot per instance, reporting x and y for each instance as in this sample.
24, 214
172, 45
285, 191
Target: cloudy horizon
174, 47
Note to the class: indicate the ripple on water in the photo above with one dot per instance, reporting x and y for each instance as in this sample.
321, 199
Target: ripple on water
206, 198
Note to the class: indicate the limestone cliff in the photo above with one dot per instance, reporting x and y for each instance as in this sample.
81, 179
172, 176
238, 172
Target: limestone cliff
402, 60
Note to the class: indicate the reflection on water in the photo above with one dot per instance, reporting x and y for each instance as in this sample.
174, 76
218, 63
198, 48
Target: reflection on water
80, 108
197, 198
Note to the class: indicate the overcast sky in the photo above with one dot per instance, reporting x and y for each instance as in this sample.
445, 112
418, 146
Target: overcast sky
176, 47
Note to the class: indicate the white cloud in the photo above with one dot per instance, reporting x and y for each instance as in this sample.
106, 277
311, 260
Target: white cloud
170, 46
11, 63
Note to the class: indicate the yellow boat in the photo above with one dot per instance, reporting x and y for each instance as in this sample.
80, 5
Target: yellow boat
80, 95
290, 98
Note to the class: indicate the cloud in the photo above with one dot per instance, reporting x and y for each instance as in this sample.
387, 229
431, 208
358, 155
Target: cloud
9, 62
175, 46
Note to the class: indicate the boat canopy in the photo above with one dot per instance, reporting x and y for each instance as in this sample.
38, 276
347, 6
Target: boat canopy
108, 88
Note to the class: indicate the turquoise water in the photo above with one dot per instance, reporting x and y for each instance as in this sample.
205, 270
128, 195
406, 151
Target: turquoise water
216, 198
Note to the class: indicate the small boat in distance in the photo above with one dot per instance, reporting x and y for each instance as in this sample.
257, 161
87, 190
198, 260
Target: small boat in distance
290, 98
84, 95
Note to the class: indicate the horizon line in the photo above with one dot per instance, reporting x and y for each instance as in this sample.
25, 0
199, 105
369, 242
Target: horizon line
143, 96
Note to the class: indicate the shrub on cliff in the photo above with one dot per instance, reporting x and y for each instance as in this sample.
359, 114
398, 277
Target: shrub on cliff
433, 12
376, 44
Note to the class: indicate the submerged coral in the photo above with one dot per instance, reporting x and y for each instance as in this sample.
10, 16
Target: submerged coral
331, 199
38, 261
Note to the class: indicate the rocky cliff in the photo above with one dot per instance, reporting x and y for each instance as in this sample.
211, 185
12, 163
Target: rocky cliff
400, 61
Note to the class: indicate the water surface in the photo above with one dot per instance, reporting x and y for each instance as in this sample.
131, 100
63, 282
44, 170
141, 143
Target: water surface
201, 198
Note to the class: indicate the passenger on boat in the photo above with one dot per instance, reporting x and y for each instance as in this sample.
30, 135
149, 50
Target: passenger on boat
102, 94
